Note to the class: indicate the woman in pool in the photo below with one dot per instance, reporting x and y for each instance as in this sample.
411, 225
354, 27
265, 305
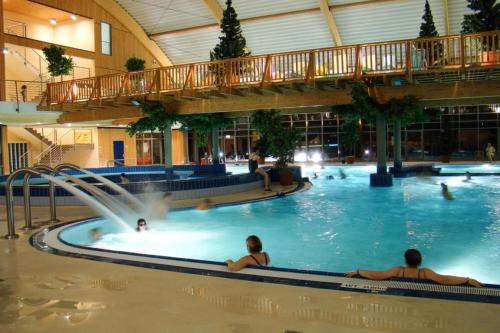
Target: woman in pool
413, 260
255, 258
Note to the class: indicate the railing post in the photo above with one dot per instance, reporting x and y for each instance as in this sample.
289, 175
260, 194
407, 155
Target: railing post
266, 77
98, 86
462, 52
158, 82
409, 61
311, 67
229, 72
189, 83
357, 69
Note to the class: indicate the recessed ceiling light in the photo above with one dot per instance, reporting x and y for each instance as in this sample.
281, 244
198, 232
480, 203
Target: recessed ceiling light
53, 21
73, 17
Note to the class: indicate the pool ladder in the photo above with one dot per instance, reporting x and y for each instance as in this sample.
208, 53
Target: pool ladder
9, 195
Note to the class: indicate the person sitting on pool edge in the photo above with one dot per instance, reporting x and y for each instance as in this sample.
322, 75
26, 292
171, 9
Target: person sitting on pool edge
444, 191
255, 258
253, 167
141, 225
413, 259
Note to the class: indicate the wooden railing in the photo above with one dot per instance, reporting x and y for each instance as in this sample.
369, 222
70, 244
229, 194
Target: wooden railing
403, 57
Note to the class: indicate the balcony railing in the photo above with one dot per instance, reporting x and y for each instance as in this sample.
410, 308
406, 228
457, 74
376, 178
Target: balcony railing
403, 57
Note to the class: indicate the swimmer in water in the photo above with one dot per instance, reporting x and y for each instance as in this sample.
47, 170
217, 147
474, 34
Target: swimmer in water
205, 204
95, 234
141, 225
315, 175
330, 177
468, 177
342, 174
446, 194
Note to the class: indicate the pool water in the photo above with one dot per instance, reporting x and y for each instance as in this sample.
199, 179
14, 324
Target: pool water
337, 226
487, 168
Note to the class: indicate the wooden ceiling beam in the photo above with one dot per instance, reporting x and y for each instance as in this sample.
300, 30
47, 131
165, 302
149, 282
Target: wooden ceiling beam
215, 9
271, 16
330, 21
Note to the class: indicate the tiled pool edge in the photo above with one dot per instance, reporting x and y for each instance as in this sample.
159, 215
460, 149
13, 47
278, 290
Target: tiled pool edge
300, 278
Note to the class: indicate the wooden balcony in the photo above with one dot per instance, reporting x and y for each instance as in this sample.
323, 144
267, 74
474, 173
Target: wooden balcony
473, 57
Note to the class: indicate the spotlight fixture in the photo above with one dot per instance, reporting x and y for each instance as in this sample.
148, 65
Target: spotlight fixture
53, 21
5, 50
73, 17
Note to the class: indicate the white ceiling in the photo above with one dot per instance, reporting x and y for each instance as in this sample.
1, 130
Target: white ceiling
359, 23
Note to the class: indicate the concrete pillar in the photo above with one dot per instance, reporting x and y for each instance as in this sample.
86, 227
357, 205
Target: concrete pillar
215, 145
381, 178
381, 143
397, 145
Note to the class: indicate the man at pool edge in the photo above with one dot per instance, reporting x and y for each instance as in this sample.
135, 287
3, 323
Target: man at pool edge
413, 259
255, 258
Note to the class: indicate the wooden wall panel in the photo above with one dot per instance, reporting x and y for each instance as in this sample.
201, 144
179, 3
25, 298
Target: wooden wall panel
124, 43
106, 136
5, 149
2, 56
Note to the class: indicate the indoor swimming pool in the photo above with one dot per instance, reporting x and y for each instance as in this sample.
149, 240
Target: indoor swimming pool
336, 226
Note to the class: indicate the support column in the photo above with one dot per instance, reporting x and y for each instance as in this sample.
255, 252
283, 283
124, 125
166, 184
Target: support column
3, 96
167, 150
397, 145
215, 145
381, 178
186, 147
4, 151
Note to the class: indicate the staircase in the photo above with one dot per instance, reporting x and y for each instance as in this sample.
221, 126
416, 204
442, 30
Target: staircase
54, 154
39, 136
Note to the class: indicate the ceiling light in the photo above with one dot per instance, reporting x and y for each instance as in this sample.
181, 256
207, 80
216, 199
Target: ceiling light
53, 21
5, 50
73, 17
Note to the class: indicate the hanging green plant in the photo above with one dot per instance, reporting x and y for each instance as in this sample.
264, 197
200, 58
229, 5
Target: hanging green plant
59, 65
155, 117
202, 125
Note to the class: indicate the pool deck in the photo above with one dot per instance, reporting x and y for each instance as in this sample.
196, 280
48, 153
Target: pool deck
41, 292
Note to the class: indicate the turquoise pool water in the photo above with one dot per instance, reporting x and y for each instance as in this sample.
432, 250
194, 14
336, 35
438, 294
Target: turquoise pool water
338, 225
472, 168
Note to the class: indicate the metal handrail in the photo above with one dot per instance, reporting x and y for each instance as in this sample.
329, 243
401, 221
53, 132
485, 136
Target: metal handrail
9, 200
52, 189
27, 195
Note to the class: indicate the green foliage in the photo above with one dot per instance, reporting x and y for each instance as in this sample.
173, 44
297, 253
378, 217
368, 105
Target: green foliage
202, 125
428, 28
282, 140
262, 145
155, 117
350, 135
486, 16
58, 64
408, 110
135, 64
232, 44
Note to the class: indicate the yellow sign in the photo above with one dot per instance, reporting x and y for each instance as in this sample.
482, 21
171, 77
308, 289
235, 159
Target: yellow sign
83, 137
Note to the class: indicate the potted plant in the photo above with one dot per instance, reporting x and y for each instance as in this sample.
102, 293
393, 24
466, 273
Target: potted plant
134, 64
59, 65
446, 139
350, 138
203, 125
283, 141
262, 145
484, 18
231, 44
428, 49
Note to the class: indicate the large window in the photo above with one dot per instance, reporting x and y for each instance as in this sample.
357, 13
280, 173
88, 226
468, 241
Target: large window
105, 38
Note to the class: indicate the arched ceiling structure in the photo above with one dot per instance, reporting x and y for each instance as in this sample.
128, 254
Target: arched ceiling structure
186, 30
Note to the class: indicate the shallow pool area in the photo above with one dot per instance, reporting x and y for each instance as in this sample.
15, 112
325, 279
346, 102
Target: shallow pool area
336, 226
